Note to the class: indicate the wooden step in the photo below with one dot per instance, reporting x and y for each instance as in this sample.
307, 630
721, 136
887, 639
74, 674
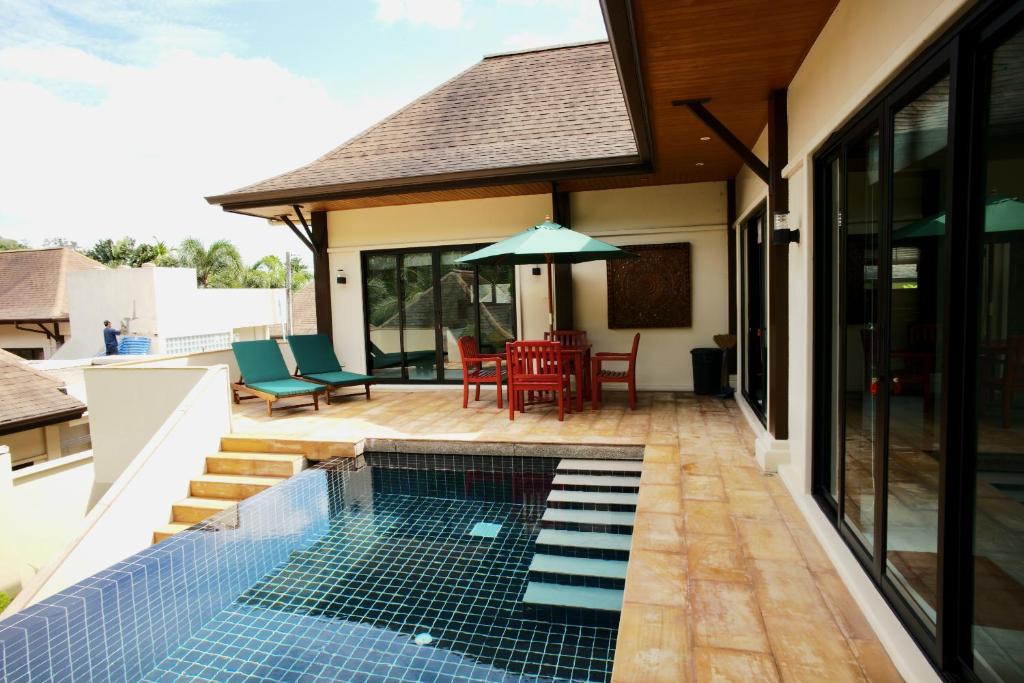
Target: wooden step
592, 500
230, 486
192, 510
168, 530
259, 464
580, 597
591, 482
576, 466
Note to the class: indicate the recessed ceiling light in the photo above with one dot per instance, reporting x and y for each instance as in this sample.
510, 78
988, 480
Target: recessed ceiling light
705, 138
700, 163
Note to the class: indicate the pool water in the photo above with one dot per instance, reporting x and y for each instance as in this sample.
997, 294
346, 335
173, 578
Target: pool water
418, 575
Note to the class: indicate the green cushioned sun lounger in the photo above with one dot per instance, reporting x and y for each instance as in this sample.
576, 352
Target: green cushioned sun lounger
315, 361
264, 375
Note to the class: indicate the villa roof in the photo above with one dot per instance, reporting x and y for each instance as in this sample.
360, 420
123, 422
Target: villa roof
531, 110
31, 398
304, 310
34, 283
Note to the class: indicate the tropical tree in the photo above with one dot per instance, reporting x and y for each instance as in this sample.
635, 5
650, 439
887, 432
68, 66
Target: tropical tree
220, 265
7, 244
126, 252
269, 271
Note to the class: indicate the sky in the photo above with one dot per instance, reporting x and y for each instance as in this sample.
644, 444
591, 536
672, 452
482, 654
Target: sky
117, 118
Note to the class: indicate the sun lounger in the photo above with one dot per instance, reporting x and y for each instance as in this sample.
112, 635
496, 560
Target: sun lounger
265, 376
315, 361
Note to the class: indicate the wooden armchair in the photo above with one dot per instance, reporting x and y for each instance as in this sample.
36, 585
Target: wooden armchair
475, 372
600, 375
536, 366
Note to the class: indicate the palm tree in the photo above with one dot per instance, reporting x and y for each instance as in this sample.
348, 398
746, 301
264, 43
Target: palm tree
269, 271
219, 266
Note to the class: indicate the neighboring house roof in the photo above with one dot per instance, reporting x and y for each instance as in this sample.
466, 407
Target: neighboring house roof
34, 283
31, 398
528, 110
304, 310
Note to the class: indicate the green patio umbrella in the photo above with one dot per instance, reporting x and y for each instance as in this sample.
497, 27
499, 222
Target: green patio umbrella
1003, 214
549, 243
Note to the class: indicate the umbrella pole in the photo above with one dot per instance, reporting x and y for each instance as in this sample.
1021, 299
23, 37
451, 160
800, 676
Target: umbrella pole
551, 301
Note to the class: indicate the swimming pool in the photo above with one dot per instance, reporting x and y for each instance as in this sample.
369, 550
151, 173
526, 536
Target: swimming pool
388, 567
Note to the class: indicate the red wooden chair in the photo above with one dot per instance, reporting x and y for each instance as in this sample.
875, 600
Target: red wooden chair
474, 371
600, 376
568, 337
575, 339
536, 366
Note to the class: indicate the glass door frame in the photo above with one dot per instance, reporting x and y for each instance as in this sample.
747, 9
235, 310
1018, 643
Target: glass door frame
964, 53
760, 213
435, 252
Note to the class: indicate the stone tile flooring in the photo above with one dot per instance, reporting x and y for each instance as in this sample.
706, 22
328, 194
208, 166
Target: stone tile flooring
726, 582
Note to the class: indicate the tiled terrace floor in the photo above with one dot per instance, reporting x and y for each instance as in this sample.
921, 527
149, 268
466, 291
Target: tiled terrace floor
726, 582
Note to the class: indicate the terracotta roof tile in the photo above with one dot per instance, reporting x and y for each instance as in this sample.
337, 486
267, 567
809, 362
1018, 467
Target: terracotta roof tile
507, 111
29, 396
33, 281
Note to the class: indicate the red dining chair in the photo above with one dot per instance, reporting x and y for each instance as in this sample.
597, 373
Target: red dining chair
536, 366
575, 339
599, 375
568, 337
474, 371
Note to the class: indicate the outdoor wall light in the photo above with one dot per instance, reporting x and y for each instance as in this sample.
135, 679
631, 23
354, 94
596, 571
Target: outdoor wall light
341, 279
784, 229
535, 270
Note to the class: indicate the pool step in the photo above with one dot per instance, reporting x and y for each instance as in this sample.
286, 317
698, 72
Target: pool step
576, 466
596, 482
578, 571
194, 510
588, 520
589, 544
591, 500
573, 597
230, 477
258, 464
231, 486
168, 530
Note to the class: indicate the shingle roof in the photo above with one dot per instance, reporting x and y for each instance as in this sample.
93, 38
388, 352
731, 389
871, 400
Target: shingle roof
33, 282
304, 310
523, 109
29, 397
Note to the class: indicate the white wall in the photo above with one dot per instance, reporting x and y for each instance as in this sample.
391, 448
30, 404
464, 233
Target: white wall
127, 405
671, 213
41, 509
122, 521
160, 303
694, 213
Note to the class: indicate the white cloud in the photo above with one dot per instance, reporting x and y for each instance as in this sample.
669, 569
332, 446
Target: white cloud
139, 155
435, 13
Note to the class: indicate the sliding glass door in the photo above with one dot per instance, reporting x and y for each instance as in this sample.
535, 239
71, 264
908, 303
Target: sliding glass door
996, 364
419, 302
754, 307
919, 344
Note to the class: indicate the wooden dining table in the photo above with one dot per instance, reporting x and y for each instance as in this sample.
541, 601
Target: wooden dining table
580, 360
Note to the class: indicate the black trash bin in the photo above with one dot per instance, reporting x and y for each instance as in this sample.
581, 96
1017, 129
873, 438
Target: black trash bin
707, 371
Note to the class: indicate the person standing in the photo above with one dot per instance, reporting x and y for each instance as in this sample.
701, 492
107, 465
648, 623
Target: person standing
110, 338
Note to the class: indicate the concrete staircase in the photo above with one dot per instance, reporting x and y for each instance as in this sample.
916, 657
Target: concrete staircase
230, 476
587, 529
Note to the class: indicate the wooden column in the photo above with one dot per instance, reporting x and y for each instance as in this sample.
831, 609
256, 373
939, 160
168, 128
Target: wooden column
322, 275
778, 270
561, 213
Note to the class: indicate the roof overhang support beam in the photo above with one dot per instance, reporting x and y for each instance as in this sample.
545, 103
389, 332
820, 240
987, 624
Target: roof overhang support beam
55, 335
298, 233
302, 219
726, 135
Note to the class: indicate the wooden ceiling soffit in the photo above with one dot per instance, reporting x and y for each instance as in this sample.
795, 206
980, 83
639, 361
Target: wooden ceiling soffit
726, 135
